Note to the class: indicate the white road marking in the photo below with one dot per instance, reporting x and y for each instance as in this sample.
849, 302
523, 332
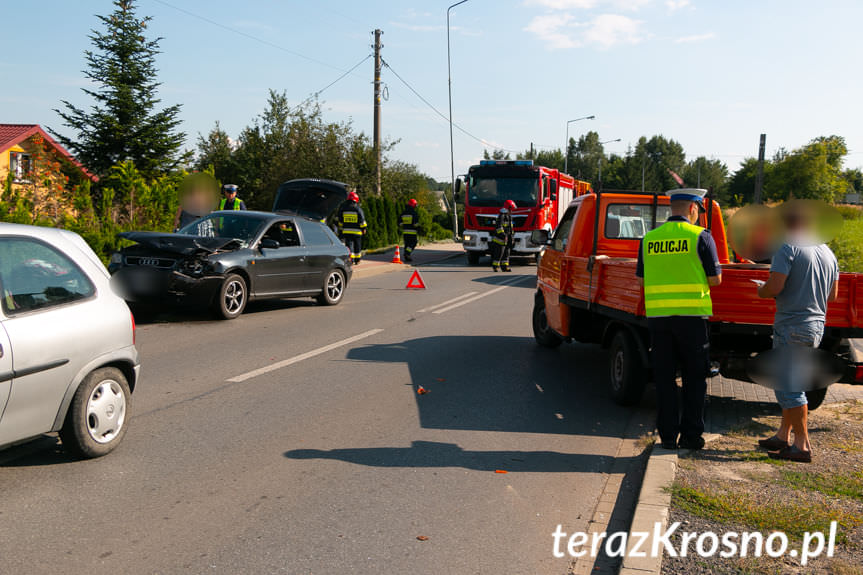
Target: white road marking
501, 286
303, 356
468, 294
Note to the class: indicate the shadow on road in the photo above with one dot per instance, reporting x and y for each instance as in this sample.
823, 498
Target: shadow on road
499, 383
436, 454
516, 280
149, 314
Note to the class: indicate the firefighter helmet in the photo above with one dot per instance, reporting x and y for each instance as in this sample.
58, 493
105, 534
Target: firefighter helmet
412, 203
509, 205
353, 197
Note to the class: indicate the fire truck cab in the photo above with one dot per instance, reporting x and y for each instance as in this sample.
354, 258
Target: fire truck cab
540, 194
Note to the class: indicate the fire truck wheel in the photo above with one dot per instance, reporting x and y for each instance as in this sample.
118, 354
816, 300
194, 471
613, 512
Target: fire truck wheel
473, 258
626, 372
544, 335
815, 397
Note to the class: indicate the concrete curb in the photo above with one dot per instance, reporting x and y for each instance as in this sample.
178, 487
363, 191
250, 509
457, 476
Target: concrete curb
654, 499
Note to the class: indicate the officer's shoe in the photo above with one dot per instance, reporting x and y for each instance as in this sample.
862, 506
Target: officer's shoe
506, 269
495, 269
669, 445
694, 443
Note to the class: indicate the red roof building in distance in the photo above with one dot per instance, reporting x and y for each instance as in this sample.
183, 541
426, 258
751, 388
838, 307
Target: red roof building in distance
13, 149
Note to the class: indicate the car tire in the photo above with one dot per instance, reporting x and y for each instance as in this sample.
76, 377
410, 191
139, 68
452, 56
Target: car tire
473, 258
98, 415
333, 289
232, 297
542, 332
626, 373
815, 397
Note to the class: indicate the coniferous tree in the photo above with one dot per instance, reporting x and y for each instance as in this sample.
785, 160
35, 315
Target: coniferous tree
123, 122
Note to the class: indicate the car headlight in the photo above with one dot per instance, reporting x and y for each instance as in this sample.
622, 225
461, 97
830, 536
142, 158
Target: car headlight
116, 258
466, 237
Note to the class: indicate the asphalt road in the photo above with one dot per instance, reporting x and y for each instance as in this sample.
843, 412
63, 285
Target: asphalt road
293, 440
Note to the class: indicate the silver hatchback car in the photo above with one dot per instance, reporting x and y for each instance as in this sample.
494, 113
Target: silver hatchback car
68, 361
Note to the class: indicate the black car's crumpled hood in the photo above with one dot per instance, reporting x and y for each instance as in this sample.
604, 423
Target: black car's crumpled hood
181, 243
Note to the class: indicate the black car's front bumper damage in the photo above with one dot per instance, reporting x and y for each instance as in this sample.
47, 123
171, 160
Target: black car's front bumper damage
147, 285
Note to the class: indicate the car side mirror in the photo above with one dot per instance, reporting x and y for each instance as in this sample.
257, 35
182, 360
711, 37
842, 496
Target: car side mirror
269, 244
540, 237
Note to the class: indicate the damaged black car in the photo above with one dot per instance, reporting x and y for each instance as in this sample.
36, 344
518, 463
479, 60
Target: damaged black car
229, 258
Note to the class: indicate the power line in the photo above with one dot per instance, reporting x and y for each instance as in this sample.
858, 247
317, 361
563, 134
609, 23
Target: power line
334, 82
439, 113
247, 35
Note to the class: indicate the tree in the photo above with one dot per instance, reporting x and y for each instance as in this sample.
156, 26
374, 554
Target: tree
813, 171
711, 175
588, 153
216, 150
123, 123
495, 155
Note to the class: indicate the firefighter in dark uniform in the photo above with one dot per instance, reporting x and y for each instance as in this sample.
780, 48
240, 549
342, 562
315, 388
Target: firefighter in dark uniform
679, 264
352, 226
409, 222
230, 201
501, 241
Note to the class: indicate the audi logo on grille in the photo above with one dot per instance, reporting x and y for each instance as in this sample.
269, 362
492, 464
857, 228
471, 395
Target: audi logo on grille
149, 262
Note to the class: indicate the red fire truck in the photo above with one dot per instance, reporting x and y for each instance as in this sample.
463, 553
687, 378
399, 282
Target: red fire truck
540, 194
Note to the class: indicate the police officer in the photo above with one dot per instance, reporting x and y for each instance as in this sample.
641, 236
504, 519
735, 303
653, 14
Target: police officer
230, 201
409, 222
352, 226
679, 264
501, 241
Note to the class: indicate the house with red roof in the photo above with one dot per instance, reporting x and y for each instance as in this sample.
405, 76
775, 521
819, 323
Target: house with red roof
17, 147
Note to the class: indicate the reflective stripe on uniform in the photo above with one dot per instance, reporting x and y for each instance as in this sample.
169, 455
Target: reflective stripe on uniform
674, 288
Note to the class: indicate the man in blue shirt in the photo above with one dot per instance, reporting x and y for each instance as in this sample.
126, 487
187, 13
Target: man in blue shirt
804, 276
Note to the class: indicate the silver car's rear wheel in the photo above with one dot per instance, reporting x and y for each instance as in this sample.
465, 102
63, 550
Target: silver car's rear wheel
97, 417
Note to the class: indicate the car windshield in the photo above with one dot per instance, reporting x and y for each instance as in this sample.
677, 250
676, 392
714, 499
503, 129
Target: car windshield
494, 191
241, 226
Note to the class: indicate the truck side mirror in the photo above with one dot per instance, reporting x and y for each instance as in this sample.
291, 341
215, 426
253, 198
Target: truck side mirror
459, 184
553, 190
540, 237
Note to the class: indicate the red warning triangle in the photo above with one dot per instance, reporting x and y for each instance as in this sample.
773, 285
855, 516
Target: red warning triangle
416, 281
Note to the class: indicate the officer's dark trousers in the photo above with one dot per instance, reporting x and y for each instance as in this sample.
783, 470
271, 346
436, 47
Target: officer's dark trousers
410, 244
679, 341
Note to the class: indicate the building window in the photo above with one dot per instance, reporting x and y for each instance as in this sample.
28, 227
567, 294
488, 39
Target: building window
19, 165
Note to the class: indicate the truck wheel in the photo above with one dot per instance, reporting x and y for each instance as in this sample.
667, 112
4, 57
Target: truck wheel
473, 258
542, 333
97, 417
626, 372
815, 397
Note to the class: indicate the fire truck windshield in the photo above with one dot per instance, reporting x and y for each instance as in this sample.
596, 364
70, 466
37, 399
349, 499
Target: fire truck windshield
494, 191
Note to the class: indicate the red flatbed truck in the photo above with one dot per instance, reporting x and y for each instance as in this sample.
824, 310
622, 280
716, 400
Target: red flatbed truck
587, 291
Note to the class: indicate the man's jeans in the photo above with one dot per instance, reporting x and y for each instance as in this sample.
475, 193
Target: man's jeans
791, 375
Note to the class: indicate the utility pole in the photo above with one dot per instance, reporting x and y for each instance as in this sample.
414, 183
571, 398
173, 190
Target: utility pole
377, 132
451, 146
759, 176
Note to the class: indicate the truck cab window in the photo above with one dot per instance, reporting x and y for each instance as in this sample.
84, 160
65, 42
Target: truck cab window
632, 221
561, 234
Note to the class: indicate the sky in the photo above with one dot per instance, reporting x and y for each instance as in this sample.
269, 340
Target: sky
712, 75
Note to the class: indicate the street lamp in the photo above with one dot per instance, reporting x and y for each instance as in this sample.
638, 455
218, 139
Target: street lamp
566, 144
599, 161
451, 149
